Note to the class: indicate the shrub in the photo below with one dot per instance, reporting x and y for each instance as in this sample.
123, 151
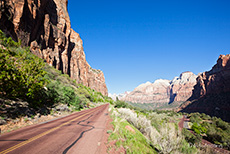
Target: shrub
132, 142
121, 104
195, 118
83, 91
21, 75
198, 128
167, 139
221, 124
190, 138
8, 42
60, 93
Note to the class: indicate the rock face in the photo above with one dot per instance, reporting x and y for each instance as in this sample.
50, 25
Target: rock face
156, 92
44, 25
164, 91
215, 81
211, 94
181, 88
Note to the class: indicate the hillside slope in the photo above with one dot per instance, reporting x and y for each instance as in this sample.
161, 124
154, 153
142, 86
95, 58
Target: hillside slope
29, 86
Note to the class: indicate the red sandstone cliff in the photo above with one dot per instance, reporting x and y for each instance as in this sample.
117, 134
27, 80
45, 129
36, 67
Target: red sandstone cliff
211, 94
44, 25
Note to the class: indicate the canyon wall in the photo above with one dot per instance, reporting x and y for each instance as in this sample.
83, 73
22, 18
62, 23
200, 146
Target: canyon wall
164, 91
211, 94
44, 26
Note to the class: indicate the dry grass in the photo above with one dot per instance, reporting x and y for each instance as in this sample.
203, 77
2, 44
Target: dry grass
167, 138
122, 138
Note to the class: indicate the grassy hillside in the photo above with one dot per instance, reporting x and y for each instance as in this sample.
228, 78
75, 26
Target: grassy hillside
160, 127
127, 137
26, 77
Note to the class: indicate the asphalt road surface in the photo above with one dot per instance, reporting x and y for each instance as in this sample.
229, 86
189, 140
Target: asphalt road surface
79, 132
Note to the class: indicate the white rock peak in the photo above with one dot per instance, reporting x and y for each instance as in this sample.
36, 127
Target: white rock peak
164, 91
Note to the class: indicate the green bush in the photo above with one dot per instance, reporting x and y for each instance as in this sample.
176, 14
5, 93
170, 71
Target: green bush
190, 138
195, 118
59, 93
221, 124
8, 42
198, 128
121, 104
22, 74
218, 133
214, 129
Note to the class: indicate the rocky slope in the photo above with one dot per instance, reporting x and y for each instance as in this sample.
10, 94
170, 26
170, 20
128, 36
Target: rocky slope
211, 94
44, 25
164, 91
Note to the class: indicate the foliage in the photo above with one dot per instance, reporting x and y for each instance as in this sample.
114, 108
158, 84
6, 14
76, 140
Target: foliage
59, 93
134, 143
25, 76
21, 75
213, 129
195, 117
121, 104
190, 138
198, 128
8, 42
163, 133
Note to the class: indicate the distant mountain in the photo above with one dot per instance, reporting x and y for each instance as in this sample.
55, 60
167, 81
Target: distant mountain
211, 94
114, 96
164, 91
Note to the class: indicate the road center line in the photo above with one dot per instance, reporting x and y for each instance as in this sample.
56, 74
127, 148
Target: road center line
40, 135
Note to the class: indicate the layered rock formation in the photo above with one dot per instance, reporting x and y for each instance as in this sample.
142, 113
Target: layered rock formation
156, 92
164, 91
211, 94
181, 88
44, 25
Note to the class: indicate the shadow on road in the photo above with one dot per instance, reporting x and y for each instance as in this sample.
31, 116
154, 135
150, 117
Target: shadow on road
92, 127
16, 140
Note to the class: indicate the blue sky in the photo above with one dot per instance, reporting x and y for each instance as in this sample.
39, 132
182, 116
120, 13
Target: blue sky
137, 41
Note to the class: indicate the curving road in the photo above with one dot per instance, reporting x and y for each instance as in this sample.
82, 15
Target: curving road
80, 132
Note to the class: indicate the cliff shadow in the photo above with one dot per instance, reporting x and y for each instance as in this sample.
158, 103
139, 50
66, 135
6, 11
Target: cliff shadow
6, 19
214, 105
70, 49
39, 29
172, 97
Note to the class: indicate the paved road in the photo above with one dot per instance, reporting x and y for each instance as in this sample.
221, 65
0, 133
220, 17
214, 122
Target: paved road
181, 123
80, 132
185, 122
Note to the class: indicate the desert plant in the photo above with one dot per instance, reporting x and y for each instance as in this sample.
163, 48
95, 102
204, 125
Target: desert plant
190, 138
167, 138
